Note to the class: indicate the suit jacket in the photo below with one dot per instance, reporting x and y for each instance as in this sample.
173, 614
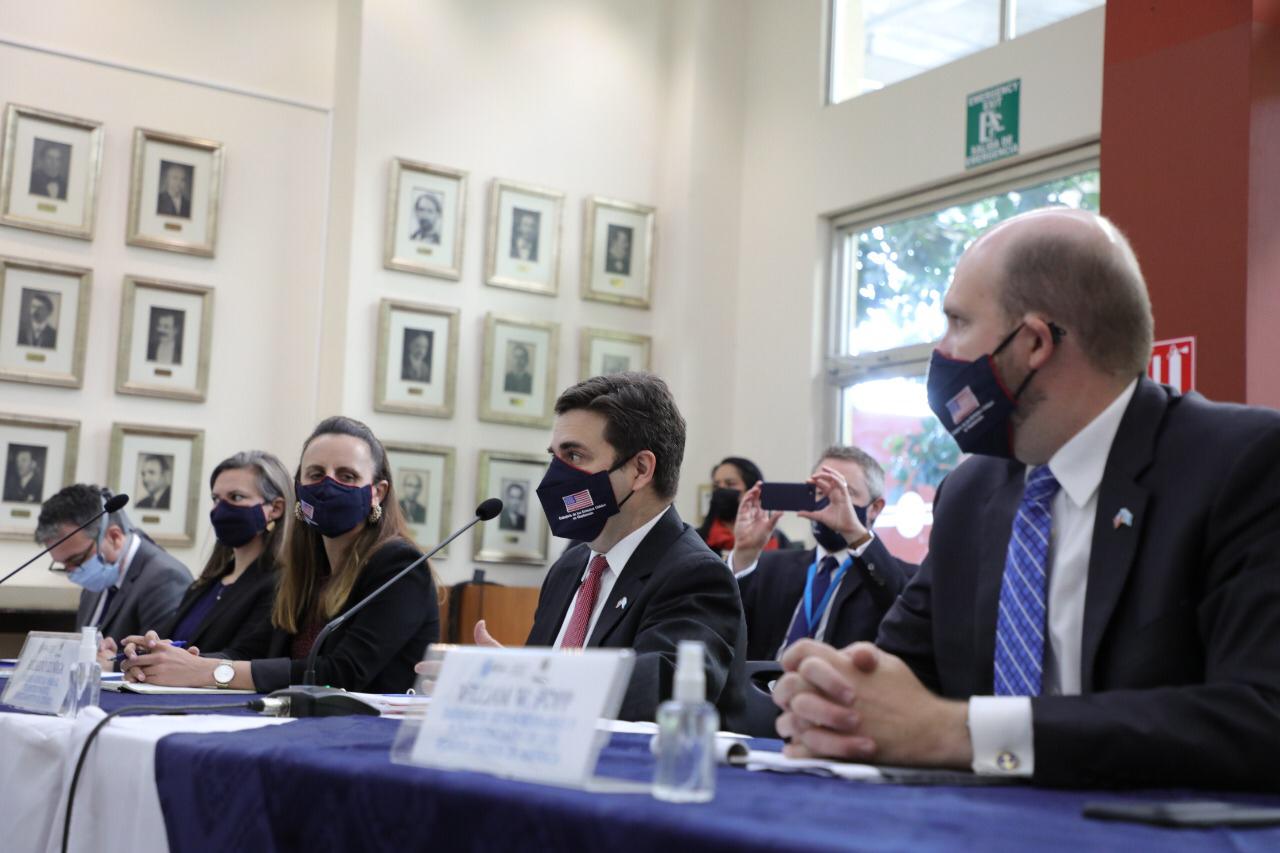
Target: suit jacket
159, 501
46, 338
239, 626
771, 592
151, 589
19, 492
676, 589
166, 207
40, 185
376, 649
1180, 661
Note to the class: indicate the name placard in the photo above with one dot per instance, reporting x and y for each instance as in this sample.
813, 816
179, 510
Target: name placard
522, 713
42, 677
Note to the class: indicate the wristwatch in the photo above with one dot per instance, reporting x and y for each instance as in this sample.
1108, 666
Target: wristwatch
223, 673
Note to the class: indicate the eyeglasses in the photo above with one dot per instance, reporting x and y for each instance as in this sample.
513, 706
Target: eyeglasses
75, 562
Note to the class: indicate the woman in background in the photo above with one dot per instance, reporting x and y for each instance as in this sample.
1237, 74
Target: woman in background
733, 476
352, 539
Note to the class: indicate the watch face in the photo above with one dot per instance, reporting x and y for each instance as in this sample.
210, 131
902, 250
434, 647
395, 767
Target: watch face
224, 673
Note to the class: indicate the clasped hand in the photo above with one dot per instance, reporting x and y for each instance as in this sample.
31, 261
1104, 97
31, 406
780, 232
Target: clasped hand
149, 658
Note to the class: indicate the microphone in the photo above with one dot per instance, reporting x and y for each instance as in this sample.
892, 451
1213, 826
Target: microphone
308, 700
112, 504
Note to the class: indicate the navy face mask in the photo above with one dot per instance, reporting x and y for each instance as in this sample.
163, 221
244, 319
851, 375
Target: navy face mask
972, 403
334, 508
236, 525
830, 539
724, 504
578, 503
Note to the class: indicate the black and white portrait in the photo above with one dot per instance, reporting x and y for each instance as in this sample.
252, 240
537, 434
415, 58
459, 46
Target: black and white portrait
515, 502
415, 359
617, 258
24, 473
155, 481
428, 208
413, 494
524, 234
164, 335
176, 180
50, 164
38, 318
518, 377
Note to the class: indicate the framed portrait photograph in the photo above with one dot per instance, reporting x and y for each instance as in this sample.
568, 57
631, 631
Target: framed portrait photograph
423, 478
524, 237
160, 469
44, 321
426, 209
39, 458
417, 364
704, 502
617, 252
166, 330
602, 352
49, 172
518, 386
173, 192
519, 534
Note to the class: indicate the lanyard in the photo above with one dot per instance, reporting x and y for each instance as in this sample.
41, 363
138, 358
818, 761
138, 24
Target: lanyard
812, 617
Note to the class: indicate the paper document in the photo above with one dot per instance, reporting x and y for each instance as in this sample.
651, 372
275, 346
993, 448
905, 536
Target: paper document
128, 687
779, 763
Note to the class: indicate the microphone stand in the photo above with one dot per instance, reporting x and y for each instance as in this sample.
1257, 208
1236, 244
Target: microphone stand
105, 511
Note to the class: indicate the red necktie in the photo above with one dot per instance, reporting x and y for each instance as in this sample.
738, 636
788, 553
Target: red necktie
576, 634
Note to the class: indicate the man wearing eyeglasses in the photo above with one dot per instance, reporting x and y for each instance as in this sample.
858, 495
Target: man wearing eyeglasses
129, 583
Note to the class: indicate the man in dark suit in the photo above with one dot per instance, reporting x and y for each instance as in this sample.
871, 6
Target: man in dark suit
156, 476
175, 194
24, 481
855, 579
411, 489
644, 580
1108, 564
48, 169
145, 583
36, 328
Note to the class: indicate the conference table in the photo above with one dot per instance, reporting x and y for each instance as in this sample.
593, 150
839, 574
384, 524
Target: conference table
328, 784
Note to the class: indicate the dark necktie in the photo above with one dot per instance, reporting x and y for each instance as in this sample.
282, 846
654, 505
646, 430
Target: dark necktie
800, 626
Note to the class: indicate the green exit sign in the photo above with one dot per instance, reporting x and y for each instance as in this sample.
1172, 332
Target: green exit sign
992, 126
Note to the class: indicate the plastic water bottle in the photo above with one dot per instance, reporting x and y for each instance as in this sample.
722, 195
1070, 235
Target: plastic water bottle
686, 771
86, 675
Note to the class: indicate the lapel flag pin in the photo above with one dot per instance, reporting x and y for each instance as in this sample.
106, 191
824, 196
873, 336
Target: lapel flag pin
622, 603
1123, 518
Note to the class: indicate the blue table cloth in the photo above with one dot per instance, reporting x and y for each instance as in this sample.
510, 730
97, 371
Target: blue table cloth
328, 785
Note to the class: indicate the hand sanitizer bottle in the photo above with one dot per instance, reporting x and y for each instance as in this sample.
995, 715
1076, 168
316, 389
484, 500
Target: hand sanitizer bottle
686, 771
86, 675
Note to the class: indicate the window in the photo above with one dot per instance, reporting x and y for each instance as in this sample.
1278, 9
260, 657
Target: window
892, 267
878, 42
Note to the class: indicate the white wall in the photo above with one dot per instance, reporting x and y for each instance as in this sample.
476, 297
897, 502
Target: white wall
271, 230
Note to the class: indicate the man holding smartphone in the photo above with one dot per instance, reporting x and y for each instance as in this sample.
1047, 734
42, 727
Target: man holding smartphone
837, 591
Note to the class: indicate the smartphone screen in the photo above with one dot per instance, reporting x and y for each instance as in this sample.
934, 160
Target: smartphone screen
791, 497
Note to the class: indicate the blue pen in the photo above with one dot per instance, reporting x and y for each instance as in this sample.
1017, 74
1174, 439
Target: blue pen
177, 644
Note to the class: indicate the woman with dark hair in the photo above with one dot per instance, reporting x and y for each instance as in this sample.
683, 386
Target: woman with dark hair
733, 476
227, 611
352, 539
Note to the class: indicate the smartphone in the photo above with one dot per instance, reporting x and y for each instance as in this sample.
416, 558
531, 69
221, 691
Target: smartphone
791, 497
1184, 813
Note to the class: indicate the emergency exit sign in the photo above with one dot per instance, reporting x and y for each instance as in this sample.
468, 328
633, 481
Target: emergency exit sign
992, 124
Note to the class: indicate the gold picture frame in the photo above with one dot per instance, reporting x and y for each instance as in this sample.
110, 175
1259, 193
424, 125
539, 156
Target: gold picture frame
23, 282
526, 394
435, 464
611, 272
596, 361
424, 385
520, 533
171, 519
518, 260
423, 248
198, 162
147, 367
69, 210
20, 501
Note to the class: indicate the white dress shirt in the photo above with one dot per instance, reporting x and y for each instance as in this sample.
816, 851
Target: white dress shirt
1000, 726
135, 542
617, 557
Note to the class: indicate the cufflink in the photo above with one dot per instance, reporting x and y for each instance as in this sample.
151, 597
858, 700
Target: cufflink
1007, 761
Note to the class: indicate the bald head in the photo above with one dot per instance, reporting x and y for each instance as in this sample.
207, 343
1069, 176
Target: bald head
1076, 269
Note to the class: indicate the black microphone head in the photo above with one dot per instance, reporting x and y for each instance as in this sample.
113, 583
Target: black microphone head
489, 509
115, 503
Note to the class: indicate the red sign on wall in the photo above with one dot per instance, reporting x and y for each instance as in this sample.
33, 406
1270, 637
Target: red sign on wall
1173, 362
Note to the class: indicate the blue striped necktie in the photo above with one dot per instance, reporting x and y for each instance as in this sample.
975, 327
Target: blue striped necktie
1020, 625
800, 626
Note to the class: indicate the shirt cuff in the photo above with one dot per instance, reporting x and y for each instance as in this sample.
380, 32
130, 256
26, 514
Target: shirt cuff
858, 552
1000, 729
741, 574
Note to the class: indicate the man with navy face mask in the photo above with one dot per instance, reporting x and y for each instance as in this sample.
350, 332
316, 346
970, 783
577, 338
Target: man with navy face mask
638, 577
1101, 599
129, 583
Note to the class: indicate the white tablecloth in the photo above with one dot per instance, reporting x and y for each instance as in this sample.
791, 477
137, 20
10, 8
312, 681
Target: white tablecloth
117, 807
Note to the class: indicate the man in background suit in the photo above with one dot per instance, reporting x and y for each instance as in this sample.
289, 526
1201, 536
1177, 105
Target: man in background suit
157, 478
48, 170
24, 481
130, 583
848, 601
37, 329
174, 198
410, 491
644, 580
1108, 563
